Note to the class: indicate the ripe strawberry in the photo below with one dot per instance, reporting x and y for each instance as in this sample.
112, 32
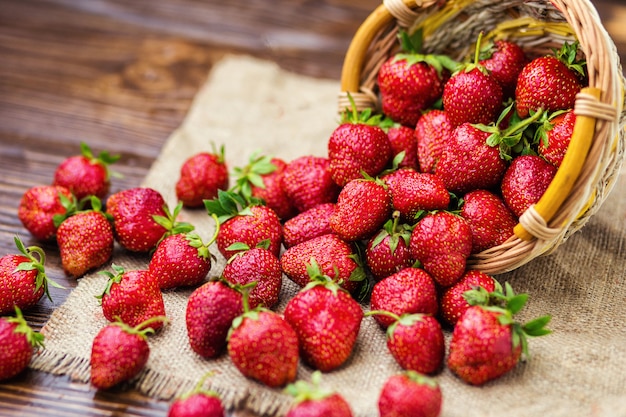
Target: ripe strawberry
257, 265
133, 296
201, 175
408, 291
85, 240
358, 145
335, 257
263, 347
486, 341
311, 223
362, 208
413, 192
388, 251
555, 136
402, 140
85, 174
453, 302
525, 181
468, 163
244, 222
23, 279
504, 60
211, 309
39, 205
311, 400
410, 394
489, 218
307, 181
442, 242
199, 402
549, 82
17, 341
326, 338
432, 131
415, 341
119, 352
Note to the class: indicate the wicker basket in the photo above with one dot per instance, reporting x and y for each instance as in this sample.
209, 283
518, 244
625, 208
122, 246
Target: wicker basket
596, 151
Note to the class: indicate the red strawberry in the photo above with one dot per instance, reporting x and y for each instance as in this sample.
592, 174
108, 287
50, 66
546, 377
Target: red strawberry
335, 257
307, 181
85, 175
133, 296
258, 265
489, 218
311, 223
442, 242
311, 400
211, 309
17, 341
410, 394
487, 343
85, 240
413, 192
415, 341
432, 131
199, 402
525, 181
453, 302
327, 337
39, 205
263, 347
388, 251
358, 145
119, 352
504, 60
402, 140
23, 279
201, 175
362, 208
555, 137
408, 291
549, 82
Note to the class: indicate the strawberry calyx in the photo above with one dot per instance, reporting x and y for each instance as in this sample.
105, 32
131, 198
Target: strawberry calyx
169, 222
229, 204
252, 174
544, 125
35, 339
395, 231
199, 388
308, 391
475, 64
195, 241
352, 115
411, 52
568, 54
37, 259
318, 278
143, 329
115, 278
407, 319
241, 248
104, 158
421, 379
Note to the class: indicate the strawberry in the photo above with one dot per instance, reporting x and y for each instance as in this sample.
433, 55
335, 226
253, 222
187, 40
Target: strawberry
199, 402
307, 181
119, 352
311, 400
133, 296
335, 257
413, 192
408, 291
504, 60
201, 175
489, 218
387, 252
23, 279
311, 223
402, 140
39, 205
453, 302
442, 242
326, 338
358, 145
549, 82
432, 131
17, 341
525, 181
362, 208
85, 240
85, 174
410, 394
257, 265
263, 346
487, 343
555, 136
415, 341
211, 309
244, 222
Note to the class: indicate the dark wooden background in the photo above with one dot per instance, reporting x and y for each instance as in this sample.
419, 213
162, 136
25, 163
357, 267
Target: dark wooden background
120, 75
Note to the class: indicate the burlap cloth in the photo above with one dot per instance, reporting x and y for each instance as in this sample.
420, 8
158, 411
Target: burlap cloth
248, 105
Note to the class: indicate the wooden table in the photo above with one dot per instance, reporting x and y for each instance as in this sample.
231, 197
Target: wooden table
120, 75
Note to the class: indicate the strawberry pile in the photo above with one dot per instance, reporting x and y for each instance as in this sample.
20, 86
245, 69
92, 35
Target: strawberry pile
382, 226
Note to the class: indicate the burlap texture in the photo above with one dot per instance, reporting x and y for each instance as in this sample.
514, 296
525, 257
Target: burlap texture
248, 105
